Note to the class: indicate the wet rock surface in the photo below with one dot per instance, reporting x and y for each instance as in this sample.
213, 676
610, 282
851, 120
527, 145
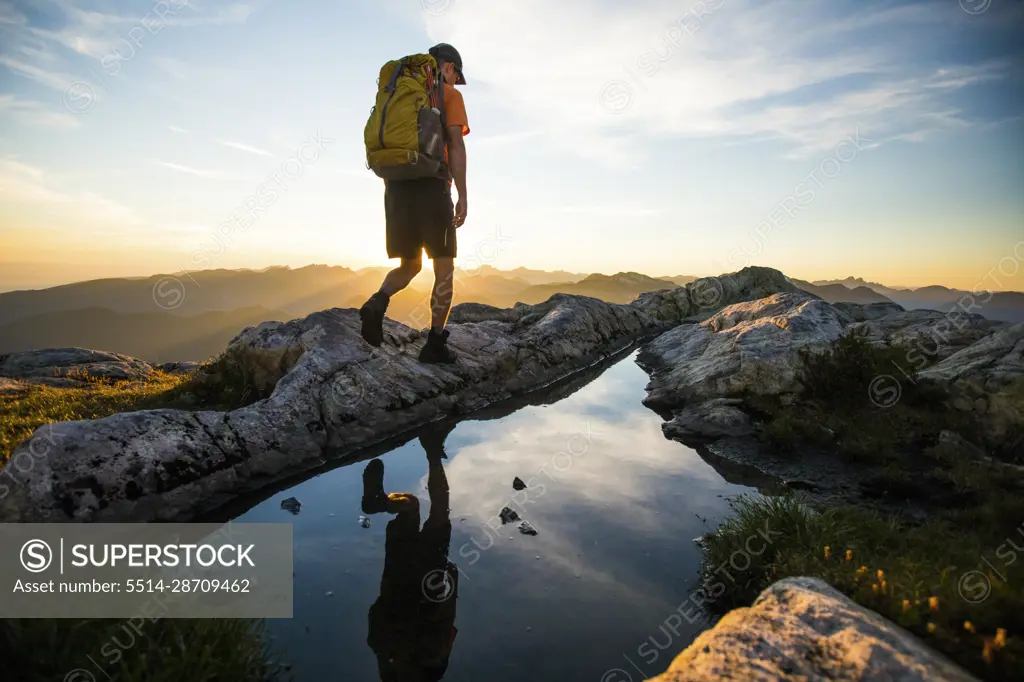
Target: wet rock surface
508, 515
526, 528
716, 418
803, 629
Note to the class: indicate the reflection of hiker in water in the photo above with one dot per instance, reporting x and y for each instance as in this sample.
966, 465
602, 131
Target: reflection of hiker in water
412, 623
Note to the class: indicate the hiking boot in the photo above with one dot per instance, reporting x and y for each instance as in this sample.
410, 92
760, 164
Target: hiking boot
372, 316
436, 350
375, 500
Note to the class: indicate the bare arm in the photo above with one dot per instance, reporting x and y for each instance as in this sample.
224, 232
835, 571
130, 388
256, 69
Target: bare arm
457, 165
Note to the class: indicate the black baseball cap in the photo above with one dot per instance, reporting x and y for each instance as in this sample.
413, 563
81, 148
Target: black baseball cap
446, 53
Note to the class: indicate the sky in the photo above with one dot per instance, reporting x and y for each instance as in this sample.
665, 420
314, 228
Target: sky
876, 139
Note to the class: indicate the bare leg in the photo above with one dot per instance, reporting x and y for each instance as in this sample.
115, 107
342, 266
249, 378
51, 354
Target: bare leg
399, 278
441, 298
432, 442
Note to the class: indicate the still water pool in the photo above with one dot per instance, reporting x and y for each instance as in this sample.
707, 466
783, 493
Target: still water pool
616, 508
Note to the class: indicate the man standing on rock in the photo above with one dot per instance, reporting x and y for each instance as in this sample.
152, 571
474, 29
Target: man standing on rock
419, 215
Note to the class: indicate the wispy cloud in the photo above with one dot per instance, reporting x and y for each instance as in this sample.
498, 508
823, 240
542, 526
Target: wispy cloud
24, 184
98, 33
51, 79
245, 148
176, 129
200, 172
30, 112
9, 15
748, 70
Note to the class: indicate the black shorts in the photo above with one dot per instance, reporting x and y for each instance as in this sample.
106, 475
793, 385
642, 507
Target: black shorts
419, 216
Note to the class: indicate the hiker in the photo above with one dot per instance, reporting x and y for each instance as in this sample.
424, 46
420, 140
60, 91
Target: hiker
412, 623
418, 211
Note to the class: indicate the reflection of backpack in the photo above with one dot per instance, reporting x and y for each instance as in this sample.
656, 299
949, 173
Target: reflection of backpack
404, 135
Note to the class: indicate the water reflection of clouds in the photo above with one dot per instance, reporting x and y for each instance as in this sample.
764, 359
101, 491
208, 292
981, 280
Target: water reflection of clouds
616, 521
583, 471
613, 476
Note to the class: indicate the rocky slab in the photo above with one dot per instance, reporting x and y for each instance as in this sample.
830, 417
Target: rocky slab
72, 363
803, 629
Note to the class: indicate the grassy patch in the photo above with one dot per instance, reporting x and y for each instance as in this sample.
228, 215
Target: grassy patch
22, 412
161, 651
955, 587
217, 386
957, 580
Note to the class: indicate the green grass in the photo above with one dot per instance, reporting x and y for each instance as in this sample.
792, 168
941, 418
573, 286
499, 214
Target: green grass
162, 651
975, 507
22, 412
917, 563
168, 650
214, 387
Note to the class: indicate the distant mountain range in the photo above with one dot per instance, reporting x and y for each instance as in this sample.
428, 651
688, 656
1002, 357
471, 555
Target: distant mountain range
193, 316
837, 293
620, 288
155, 337
1004, 305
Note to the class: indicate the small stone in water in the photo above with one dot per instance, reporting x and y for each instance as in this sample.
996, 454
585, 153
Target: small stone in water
508, 515
291, 504
526, 529
364, 521
518, 484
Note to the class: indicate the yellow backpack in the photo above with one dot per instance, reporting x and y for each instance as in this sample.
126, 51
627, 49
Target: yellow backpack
404, 135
